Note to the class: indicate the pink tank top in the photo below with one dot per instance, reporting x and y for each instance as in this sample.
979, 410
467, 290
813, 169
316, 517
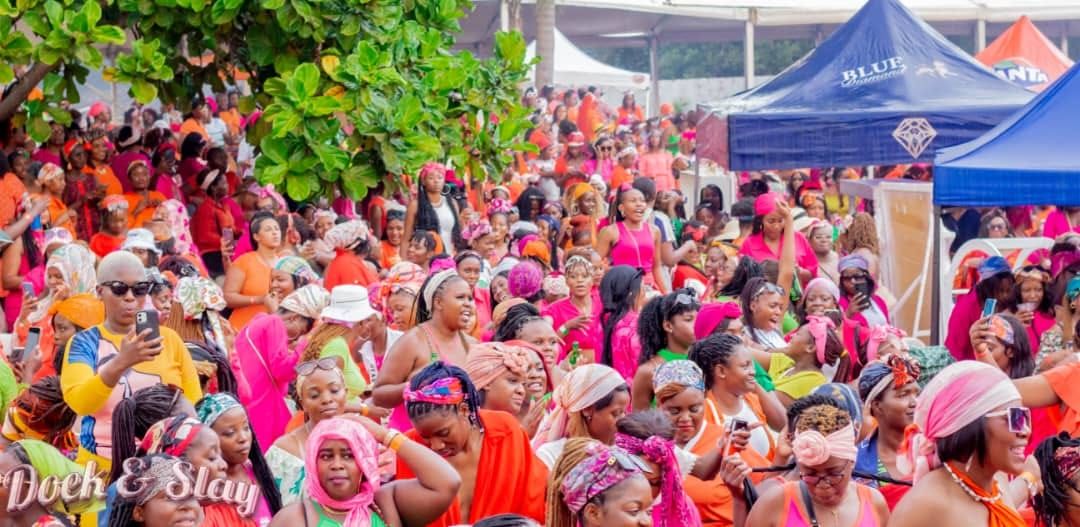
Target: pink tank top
633, 248
794, 514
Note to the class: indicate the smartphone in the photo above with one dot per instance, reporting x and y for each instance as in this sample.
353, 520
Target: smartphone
735, 425
227, 235
28, 289
989, 307
148, 319
863, 288
33, 337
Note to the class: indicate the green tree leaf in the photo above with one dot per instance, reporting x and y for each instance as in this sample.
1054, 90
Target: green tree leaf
6, 73
143, 91
307, 77
38, 129
109, 35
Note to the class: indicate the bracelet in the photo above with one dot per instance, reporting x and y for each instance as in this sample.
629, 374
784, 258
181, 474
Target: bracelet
389, 437
364, 411
563, 331
397, 441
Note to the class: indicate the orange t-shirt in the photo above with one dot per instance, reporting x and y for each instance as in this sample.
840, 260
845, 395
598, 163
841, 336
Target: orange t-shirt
509, 477
191, 125
256, 283
11, 193
348, 268
105, 176
57, 208
136, 221
619, 176
713, 498
1065, 381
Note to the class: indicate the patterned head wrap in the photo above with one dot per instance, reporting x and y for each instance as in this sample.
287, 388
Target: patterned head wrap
555, 285
47, 461
1067, 459
403, 276
298, 267
895, 371
604, 468
365, 452
675, 508
525, 280
846, 397
476, 229
76, 265
197, 295
269, 192
114, 203
1033, 273
49, 172
215, 405
156, 472
176, 217
1002, 329
498, 206
682, 372
346, 235
490, 360
172, 436
308, 301
993, 266
445, 391
875, 337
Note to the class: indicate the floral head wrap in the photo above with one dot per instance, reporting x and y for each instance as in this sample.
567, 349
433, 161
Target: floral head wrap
476, 229
197, 295
114, 203
445, 391
172, 435
1002, 329
498, 206
525, 280
308, 301
682, 372
215, 405
49, 172
365, 452
76, 265
675, 508
298, 267
176, 216
490, 360
555, 285
156, 473
346, 235
604, 468
1067, 459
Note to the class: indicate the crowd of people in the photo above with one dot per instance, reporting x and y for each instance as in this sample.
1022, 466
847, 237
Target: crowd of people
564, 344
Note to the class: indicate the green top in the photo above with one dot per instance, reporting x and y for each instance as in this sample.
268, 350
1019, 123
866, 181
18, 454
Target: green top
354, 380
669, 355
326, 521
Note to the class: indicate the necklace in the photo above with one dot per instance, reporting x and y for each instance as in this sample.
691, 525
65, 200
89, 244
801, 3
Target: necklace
968, 490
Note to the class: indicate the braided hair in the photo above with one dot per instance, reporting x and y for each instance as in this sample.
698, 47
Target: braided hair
437, 371
746, 297
658, 310
619, 290
424, 311
713, 350
428, 220
44, 403
506, 520
261, 470
134, 415
516, 318
223, 373
574, 452
1052, 504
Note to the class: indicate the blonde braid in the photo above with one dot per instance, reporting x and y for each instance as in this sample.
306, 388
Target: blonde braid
320, 337
574, 452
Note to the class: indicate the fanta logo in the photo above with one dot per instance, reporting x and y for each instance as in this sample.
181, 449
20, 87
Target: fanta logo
874, 72
1021, 72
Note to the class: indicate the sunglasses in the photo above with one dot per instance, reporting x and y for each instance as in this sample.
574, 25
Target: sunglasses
119, 288
325, 363
684, 299
769, 287
1019, 418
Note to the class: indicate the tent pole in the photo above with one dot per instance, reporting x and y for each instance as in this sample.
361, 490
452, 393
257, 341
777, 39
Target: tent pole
980, 34
1065, 42
504, 15
935, 275
654, 71
748, 47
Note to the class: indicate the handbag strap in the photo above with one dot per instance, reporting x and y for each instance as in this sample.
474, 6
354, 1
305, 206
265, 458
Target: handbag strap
808, 503
262, 361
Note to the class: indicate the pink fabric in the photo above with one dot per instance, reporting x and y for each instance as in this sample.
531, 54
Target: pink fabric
482, 298
365, 452
858, 318
120, 165
634, 248
867, 517
170, 186
262, 513
267, 365
1038, 326
819, 329
766, 203
604, 168
46, 156
1057, 224
755, 247
13, 301
625, 346
657, 166
711, 315
965, 312
590, 338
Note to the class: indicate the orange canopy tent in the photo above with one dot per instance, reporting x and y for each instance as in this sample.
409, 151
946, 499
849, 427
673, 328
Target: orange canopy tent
1023, 55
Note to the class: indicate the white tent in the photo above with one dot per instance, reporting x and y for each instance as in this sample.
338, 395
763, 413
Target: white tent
574, 68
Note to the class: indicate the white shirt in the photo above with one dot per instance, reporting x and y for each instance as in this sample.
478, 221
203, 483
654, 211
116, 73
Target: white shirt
446, 224
759, 437
367, 353
216, 129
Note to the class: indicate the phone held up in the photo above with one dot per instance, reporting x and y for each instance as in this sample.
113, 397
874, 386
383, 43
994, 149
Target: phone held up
148, 319
33, 337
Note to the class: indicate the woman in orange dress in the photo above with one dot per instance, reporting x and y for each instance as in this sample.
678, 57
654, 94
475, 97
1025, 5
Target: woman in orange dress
143, 202
247, 280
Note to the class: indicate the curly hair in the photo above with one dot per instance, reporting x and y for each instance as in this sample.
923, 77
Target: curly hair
658, 310
824, 418
1053, 502
862, 234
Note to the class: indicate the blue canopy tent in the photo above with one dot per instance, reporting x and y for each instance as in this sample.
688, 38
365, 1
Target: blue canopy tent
885, 88
1029, 159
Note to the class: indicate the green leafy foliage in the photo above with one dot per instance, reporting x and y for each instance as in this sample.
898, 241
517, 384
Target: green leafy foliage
354, 92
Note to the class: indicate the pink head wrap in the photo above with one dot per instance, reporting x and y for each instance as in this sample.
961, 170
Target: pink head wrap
819, 329
812, 448
954, 398
580, 389
828, 285
490, 360
765, 203
365, 452
97, 109
711, 315
499, 206
876, 335
674, 509
269, 192
432, 167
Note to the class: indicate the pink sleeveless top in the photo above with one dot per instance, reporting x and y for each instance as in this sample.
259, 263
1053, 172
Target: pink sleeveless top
633, 248
794, 512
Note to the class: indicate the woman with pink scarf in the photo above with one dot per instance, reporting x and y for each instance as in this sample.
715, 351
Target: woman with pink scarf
344, 487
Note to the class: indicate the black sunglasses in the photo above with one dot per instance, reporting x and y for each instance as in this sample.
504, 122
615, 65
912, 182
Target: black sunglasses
119, 288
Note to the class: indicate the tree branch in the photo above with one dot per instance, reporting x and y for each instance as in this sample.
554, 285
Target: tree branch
22, 87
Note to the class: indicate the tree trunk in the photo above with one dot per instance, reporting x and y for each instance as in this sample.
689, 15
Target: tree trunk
545, 42
11, 102
514, 6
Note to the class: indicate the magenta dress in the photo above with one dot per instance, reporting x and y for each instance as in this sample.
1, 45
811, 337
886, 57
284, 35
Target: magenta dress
625, 347
755, 247
591, 338
966, 312
635, 248
267, 366
1056, 224
13, 300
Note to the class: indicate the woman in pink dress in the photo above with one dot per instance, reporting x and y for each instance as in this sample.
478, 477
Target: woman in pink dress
767, 238
631, 240
1061, 221
576, 317
262, 350
656, 163
621, 294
